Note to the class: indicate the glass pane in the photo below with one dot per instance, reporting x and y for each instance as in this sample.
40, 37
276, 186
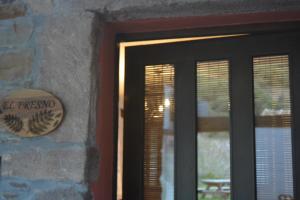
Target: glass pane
159, 133
274, 175
213, 130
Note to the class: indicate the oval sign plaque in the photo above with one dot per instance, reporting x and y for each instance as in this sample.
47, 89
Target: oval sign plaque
30, 113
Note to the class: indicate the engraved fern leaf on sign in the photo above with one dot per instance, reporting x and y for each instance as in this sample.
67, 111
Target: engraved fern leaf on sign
41, 121
13, 122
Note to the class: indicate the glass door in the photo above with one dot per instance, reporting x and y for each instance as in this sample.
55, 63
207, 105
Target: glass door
211, 119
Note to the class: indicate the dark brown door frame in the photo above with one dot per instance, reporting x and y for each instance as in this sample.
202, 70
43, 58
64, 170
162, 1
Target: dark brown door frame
105, 185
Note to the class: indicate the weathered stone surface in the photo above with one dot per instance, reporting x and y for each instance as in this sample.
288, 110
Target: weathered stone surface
117, 10
22, 186
9, 192
15, 65
123, 10
60, 193
40, 189
15, 32
9, 9
65, 71
41, 6
7, 1
10, 196
37, 163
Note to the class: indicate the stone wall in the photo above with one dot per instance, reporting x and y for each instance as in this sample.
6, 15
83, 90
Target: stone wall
46, 44
50, 44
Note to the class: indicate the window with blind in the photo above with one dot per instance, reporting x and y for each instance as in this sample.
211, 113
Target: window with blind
159, 133
213, 141
274, 171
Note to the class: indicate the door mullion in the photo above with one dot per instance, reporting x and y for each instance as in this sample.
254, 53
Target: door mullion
295, 98
185, 131
133, 130
242, 128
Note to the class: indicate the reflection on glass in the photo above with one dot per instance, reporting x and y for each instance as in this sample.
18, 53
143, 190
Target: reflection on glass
213, 130
274, 176
159, 133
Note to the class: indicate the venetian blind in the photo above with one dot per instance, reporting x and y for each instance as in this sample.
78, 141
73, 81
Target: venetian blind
159, 133
213, 140
274, 173
213, 96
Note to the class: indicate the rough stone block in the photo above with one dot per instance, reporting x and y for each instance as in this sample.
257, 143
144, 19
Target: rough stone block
10, 196
66, 72
15, 32
38, 163
15, 188
6, 138
60, 193
9, 9
15, 65
41, 6
7, 1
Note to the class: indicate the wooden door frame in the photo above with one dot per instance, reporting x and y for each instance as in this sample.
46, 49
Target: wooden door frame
106, 133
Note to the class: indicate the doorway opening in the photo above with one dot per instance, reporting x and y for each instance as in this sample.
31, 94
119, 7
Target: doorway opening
212, 76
